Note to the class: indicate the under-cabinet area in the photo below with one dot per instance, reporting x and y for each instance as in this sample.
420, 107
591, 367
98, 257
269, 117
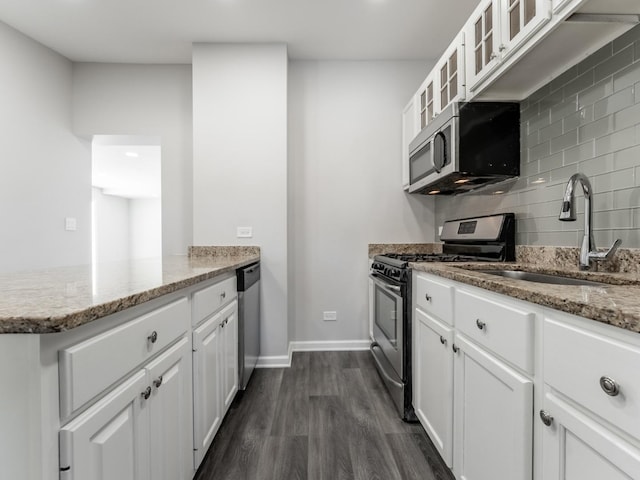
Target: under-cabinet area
506, 388
137, 394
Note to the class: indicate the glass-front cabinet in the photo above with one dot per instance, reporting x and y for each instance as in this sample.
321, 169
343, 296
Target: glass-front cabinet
426, 101
450, 73
496, 30
482, 32
520, 20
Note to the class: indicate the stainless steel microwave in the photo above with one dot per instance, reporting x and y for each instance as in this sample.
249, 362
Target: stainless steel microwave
466, 146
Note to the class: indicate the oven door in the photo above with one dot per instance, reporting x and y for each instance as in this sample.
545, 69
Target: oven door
388, 321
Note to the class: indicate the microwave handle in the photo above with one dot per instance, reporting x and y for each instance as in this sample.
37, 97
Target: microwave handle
439, 151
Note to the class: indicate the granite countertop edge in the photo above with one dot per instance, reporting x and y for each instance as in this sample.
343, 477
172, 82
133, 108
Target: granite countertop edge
36, 324
617, 303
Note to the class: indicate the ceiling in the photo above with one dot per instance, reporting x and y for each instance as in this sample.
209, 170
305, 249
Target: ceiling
162, 31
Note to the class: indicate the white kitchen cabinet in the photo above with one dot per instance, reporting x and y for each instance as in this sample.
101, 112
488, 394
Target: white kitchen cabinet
141, 430
482, 33
492, 417
229, 340
215, 364
519, 21
450, 73
426, 101
409, 131
207, 401
578, 447
171, 414
433, 381
110, 441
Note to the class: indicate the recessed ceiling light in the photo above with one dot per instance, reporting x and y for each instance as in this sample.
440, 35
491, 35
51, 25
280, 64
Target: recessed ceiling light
462, 180
498, 192
132, 154
433, 192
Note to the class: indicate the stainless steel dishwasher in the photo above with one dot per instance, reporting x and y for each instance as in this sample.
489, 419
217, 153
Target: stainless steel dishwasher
248, 321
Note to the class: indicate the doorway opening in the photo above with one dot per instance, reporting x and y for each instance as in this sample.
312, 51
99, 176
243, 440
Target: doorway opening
126, 205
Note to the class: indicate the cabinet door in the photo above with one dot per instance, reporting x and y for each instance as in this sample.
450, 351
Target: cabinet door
433, 381
450, 73
206, 385
493, 417
408, 133
482, 34
575, 447
230, 354
110, 441
170, 411
426, 102
520, 19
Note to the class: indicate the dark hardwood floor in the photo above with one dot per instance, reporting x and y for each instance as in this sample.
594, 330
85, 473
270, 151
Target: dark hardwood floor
328, 417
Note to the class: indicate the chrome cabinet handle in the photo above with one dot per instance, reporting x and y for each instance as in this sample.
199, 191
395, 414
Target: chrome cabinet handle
443, 340
153, 338
480, 324
493, 56
427, 297
546, 418
502, 48
146, 394
455, 349
157, 382
609, 386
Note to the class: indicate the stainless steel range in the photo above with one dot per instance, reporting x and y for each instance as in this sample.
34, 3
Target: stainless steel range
489, 238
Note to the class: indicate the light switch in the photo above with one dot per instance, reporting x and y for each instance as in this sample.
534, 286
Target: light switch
70, 224
244, 232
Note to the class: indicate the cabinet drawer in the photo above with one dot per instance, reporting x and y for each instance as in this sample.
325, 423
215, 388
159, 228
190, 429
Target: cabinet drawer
210, 299
90, 367
501, 328
575, 361
435, 298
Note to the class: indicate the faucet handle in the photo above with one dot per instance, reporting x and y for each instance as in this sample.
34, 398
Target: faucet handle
601, 256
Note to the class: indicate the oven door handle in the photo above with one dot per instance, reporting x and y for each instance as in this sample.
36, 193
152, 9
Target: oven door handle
385, 286
381, 368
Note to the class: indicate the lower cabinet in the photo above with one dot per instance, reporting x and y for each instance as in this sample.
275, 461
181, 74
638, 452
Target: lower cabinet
139, 431
215, 364
493, 417
433, 381
577, 447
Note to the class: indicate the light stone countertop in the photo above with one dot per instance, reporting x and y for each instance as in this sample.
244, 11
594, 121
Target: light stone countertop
615, 303
59, 299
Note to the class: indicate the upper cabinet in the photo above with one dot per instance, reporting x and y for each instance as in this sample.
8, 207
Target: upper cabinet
497, 30
508, 49
450, 74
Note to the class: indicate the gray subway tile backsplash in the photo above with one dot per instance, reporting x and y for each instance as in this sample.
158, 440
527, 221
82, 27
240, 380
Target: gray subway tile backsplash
586, 120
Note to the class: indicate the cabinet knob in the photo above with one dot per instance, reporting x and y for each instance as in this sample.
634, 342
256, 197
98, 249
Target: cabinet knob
455, 348
146, 394
153, 337
427, 297
609, 386
546, 418
157, 382
493, 56
223, 295
502, 47
443, 340
480, 324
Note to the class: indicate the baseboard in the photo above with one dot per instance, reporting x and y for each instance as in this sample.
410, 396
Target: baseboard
284, 361
329, 346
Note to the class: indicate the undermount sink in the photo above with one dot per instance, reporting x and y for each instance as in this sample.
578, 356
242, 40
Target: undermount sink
542, 278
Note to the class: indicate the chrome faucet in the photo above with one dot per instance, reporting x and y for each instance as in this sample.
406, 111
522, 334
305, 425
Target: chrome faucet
588, 250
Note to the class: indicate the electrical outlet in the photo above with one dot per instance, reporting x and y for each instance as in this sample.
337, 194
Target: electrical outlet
244, 232
70, 224
330, 316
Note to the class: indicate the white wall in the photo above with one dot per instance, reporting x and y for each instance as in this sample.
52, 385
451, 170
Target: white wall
240, 164
114, 99
345, 187
145, 227
46, 170
111, 223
